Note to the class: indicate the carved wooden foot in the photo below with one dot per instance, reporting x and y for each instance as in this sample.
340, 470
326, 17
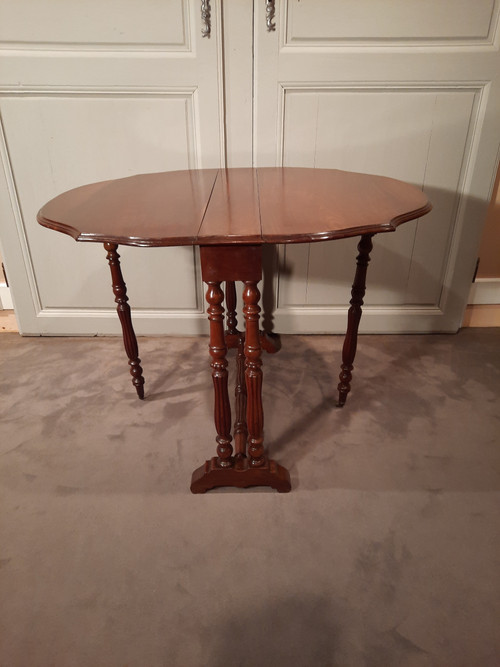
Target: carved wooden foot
353, 318
123, 309
270, 342
242, 475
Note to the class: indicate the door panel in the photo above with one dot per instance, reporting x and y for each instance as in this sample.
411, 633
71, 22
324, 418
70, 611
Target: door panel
140, 92
365, 21
405, 89
386, 94
56, 129
113, 23
375, 131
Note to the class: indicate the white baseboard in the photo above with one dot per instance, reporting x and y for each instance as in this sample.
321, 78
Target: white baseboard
5, 298
485, 291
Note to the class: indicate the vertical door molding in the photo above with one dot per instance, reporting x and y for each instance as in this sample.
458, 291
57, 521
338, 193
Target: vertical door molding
238, 81
419, 106
94, 107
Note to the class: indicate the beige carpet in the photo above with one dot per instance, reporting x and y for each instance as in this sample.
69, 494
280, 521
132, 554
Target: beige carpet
384, 554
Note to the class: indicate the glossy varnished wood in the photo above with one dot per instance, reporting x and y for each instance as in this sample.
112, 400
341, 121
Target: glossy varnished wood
225, 262
161, 209
250, 465
240, 395
365, 246
231, 214
304, 205
253, 375
234, 206
124, 315
231, 320
242, 475
218, 351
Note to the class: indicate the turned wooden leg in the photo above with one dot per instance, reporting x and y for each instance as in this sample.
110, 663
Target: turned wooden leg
123, 309
269, 342
240, 425
249, 466
235, 339
231, 321
218, 351
253, 375
353, 317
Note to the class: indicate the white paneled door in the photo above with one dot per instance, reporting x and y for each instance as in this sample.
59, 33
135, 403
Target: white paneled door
91, 91
400, 88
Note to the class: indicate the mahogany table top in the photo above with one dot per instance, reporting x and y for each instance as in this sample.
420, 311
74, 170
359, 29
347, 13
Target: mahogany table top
234, 206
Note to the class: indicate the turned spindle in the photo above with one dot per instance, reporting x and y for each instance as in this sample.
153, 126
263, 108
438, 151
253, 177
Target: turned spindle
123, 309
353, 318
253, 375
234, 338
218, 351
240, 392
231, 321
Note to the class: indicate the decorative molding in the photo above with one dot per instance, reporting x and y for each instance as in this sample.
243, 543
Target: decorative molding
221, 80
184, 46
309, 316
97, 47
89, 91
389, 86
487, 41
137, 313
376, 319
18, 218
464, 187
362, 87
80, 322
188, 94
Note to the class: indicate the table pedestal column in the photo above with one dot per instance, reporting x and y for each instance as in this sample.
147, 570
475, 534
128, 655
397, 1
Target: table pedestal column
250, 465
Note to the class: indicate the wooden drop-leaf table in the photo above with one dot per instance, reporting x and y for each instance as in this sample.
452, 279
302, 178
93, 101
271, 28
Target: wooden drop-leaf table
231, 214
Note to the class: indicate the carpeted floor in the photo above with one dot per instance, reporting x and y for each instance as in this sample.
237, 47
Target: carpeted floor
384, 554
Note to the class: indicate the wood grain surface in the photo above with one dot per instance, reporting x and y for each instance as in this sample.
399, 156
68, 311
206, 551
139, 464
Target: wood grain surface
234, 206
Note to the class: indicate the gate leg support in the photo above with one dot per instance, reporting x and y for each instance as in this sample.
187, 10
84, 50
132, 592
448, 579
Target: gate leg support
123, 309
353, 318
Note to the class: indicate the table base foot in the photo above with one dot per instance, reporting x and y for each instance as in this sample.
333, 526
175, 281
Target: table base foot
270, 342
241, 475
